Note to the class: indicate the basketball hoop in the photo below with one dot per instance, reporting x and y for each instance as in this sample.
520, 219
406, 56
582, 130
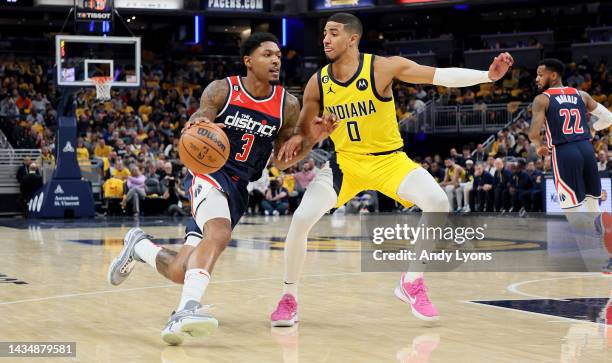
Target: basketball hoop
103, 87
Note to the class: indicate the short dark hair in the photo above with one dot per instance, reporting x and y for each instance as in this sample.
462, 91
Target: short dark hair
254, 41
351, 23
553, 65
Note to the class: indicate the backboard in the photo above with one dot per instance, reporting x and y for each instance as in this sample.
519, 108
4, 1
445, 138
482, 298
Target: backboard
80, 57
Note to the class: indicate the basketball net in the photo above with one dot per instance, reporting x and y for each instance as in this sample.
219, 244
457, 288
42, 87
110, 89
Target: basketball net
103, 87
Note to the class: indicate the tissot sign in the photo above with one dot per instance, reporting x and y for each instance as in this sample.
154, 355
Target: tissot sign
242, 5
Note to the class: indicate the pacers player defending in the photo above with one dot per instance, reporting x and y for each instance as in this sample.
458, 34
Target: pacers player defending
562, 111
257, 114
357, 89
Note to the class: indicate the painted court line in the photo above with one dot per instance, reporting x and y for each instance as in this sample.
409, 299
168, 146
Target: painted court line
514, 288
66, 296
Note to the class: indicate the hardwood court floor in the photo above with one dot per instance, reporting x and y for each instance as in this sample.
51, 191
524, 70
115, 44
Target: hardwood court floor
346, 316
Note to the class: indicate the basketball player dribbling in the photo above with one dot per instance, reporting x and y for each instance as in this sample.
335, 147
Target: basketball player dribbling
257, 114
562, 112
357, 88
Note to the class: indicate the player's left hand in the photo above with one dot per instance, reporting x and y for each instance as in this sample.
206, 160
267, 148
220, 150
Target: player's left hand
500, 66
290, 148
322, 127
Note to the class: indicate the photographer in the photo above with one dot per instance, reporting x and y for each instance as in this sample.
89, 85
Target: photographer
277, 198
174, 195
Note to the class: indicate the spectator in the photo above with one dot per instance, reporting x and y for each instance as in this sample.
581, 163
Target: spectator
46, 157
480, 155
436, 172
40, 103
102, 150
501, 183
467, 185
490, 166
537, 188
481, 195
602, 160
120, 171
113, 191
29, 184
458, 159
277, 198
257, 193
174, 194
466, 155
169, 176
8, 107
136, 190
520, 188
121, 150
24, 169
82, 153
305, 176
23, 102
453, 178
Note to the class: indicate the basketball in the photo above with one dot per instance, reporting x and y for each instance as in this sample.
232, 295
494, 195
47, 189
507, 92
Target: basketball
204, 148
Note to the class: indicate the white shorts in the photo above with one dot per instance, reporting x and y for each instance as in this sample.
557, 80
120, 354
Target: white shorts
207, 202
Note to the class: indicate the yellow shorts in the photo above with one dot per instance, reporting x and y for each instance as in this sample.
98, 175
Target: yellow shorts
354, 173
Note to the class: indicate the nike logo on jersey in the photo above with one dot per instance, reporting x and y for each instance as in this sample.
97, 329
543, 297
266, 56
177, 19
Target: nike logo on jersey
246, 123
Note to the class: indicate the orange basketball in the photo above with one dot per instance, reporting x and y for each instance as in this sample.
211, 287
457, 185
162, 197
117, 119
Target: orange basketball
204, 148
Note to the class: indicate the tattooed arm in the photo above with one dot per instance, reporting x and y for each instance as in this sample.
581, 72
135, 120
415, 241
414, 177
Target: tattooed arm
291, 113
212, 101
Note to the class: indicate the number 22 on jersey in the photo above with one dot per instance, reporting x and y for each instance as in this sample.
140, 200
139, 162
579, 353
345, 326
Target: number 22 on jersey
576, 127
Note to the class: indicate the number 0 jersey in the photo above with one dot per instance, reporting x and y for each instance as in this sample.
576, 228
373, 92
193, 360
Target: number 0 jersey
368, 123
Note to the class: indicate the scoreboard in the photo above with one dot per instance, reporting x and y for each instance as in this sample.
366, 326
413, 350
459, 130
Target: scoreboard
93, 10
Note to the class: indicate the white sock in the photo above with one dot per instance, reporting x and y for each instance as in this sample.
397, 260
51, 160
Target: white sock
196, 281
591, 205
147, 251
291, 289
411, 276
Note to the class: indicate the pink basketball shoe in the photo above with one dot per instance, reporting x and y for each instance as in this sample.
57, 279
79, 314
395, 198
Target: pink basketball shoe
415, 294
286, 312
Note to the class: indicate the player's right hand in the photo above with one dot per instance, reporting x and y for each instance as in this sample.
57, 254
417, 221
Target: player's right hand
199, 121
543, 151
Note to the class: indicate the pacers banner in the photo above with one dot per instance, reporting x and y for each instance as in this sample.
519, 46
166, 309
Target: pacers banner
93, 10
240, 5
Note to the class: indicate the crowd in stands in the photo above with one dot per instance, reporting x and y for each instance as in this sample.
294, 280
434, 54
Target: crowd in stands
134, 137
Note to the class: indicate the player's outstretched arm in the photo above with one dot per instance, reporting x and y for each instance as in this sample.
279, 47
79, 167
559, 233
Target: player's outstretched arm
604, 116
538, 118
302, 129
411, 72
212, 101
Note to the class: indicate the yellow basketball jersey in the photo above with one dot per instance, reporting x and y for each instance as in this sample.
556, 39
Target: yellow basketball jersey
367, 120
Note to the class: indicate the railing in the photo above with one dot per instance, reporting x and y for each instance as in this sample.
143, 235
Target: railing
4, 143
491, 139
10, 161
455, 119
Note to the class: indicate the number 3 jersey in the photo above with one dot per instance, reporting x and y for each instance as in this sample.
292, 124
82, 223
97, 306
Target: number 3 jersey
566, 118
251, 125
368, 123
